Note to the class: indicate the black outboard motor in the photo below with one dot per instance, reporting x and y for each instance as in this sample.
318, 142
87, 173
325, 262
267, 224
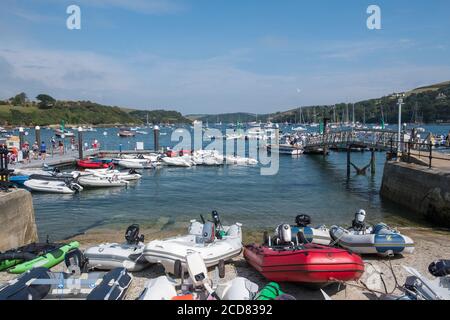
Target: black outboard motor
216, 218
303, 220
440, 268
132, 235
358, 224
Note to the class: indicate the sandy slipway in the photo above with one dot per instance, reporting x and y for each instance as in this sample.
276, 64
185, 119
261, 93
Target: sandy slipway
431, 244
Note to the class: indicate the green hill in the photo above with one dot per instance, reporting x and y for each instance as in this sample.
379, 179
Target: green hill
430, 104
81, 112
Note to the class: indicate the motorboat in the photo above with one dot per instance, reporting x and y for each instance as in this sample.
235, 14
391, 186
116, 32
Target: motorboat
134, 163
240, 161
215, 243
183, 161
286, 149
92, 164
50, 186
129, 254
122, 175
282, 260
98, 181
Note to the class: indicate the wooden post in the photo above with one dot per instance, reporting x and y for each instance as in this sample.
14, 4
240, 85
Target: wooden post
409, 151
156, 138
20, 138
372, 161
38, 135
348, 161
431, 154
80, 143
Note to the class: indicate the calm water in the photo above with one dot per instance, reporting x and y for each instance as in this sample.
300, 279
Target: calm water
170, 196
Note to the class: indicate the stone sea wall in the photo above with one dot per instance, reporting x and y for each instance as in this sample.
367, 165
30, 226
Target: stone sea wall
420, 189
17, 223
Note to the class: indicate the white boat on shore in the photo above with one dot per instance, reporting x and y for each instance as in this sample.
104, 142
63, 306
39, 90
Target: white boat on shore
202, 238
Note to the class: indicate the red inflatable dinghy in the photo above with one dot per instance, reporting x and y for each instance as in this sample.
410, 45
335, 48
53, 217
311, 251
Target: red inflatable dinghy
309, 263
89, 164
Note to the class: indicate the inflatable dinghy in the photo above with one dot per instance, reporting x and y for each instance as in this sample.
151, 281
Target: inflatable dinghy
40, 283
198, 286
108, 256
303, 233
281, 260
379, 239
98, 181
214, 242
418, 287
52, 186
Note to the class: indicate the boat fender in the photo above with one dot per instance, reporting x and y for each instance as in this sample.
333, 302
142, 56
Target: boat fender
440, 268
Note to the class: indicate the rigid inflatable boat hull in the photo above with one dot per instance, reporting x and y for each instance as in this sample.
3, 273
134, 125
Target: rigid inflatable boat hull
310, 263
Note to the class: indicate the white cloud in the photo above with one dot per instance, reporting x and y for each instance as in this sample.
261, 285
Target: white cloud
213, 85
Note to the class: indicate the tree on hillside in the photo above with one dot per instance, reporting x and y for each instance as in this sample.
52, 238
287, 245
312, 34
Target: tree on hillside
19, 100
45, 101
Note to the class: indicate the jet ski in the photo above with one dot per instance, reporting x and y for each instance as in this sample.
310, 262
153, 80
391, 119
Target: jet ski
108, 256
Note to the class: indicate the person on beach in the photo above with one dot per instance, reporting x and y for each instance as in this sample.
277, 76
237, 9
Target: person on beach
43, 151
35, 149
53, 144
61, 147
26, 153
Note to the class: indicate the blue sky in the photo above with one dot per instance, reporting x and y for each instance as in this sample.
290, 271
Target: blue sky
215, 56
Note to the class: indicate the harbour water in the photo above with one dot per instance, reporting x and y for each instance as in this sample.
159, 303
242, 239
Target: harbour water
170, 196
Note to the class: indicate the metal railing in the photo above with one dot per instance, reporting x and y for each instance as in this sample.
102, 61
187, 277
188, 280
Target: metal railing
4, 172
422, 150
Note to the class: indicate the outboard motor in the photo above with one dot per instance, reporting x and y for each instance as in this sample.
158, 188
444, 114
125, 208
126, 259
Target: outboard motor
132, 235
440, 268
284, 234
75, 187
358, 224
303, 220
208, 232
216, 218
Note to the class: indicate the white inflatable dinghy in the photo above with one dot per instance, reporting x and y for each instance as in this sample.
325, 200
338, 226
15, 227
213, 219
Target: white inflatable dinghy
215, 243
98, 181
49, 186
108, 256
379, 239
